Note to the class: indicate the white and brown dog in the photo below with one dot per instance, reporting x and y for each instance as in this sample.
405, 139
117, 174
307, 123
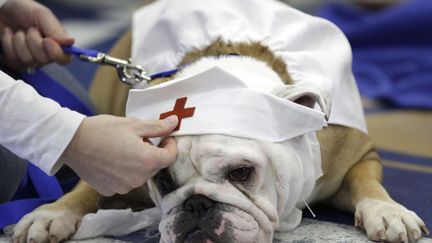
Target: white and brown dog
235, 187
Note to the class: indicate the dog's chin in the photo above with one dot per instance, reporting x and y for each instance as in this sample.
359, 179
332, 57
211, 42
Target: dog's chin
222, 223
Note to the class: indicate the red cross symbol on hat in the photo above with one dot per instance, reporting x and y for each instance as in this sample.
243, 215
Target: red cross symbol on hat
180, 111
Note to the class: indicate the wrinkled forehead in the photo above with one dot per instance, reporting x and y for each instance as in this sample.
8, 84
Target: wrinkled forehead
219, 149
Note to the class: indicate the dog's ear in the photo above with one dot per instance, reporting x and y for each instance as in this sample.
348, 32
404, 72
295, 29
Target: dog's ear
307, 94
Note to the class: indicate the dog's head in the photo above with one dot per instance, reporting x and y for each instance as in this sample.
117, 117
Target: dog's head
235, 187
227, 189
220, 189
230, 189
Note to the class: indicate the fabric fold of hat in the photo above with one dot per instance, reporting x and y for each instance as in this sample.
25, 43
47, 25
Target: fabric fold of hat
224, 104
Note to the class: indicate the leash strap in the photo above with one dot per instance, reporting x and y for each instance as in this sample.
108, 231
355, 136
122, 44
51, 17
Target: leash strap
76, 51
47, 187
163, 74
12, 212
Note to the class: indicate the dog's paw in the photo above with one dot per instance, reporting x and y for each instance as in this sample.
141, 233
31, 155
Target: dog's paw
46, 225
385, 221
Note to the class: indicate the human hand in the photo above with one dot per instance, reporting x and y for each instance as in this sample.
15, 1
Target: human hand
113, 154
31, 35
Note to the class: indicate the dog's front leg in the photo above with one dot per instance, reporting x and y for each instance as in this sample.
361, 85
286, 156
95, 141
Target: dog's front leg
59, 220
375, 211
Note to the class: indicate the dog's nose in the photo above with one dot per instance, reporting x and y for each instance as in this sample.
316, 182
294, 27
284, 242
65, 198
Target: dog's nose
197, 205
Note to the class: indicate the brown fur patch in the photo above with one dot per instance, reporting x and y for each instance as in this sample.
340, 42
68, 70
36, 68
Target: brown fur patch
250, 49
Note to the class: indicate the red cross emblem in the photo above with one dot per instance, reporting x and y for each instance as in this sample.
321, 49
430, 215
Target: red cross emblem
180, 111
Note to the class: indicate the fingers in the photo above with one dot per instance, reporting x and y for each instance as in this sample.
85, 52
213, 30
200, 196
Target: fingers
165, 154
169, 145
115, 159
55, 52
157, 128
29, 49
51, 27
21, 49
56, 37
9, 52
34, 42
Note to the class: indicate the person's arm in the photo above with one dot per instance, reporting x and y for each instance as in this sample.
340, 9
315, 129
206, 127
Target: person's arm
110, 153
34, 127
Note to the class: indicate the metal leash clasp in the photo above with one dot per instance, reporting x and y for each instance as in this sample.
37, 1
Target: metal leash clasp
128, 73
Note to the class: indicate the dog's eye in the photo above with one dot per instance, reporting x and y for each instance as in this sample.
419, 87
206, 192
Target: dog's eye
240, 174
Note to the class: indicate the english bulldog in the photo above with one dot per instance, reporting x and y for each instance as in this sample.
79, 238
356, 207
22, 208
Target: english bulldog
234, 185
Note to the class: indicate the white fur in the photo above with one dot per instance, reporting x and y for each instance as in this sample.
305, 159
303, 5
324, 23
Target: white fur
43, 224
280, 179
384, 221
204, 157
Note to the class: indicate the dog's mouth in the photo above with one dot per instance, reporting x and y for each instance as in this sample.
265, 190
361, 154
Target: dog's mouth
221, 223
197, 234
192, 227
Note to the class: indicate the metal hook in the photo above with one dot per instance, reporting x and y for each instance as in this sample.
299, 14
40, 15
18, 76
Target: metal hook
128, 73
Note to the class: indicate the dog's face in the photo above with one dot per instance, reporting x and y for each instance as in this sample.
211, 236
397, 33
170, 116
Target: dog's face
223, 189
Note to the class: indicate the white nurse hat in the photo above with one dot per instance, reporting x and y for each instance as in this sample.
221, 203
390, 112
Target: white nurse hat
217, 102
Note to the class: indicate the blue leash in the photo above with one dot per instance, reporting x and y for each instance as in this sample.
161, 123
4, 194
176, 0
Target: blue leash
76, 51
48, 189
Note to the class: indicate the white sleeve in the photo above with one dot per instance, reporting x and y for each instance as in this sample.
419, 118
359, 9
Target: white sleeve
2, 2
34, 127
